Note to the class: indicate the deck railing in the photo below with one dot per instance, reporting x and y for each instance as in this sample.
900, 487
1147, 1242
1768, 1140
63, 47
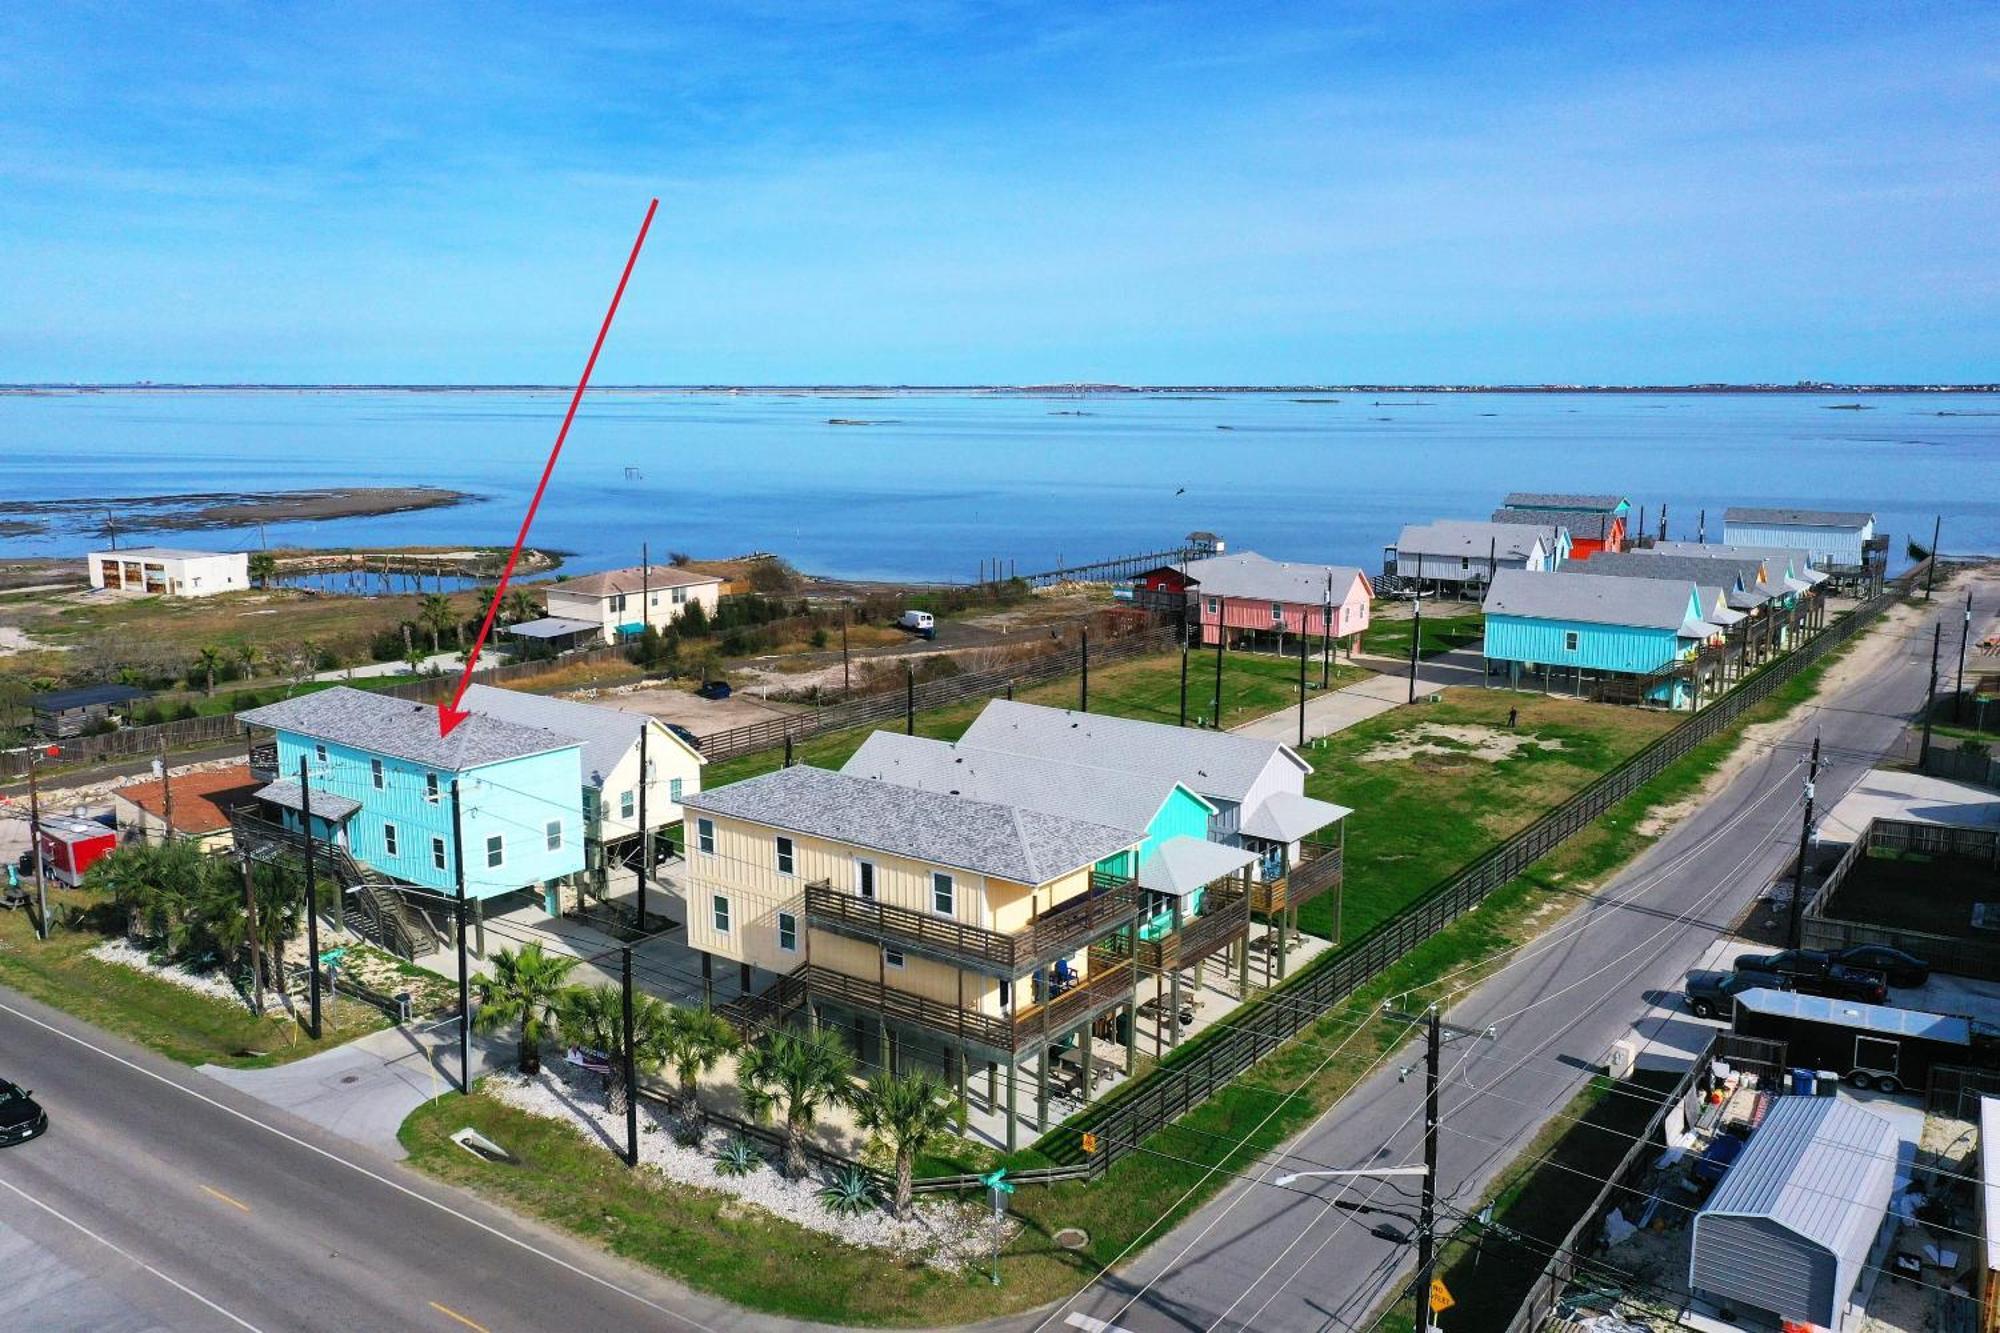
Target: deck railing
1061, 930
1319, 868
1225, 918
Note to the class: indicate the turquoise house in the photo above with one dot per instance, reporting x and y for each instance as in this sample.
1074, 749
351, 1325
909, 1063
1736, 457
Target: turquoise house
1594, 625
382, 781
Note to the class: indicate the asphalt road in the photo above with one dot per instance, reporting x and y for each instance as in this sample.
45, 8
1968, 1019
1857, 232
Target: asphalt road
1265, 1257
160, 1200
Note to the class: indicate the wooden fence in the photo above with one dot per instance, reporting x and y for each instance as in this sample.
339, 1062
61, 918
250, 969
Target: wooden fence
1128, 1116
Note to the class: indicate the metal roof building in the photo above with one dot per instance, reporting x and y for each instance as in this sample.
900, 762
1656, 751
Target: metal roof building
1790, 1228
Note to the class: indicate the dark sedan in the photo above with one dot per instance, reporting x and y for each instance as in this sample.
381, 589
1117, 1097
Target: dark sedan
1902, 969
21, 1118
1787, 962
1713, 994
1841, 982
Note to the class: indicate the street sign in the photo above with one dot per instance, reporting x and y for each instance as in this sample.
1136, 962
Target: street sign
1441, 1299
332, 957
997, 1181
1090, 1143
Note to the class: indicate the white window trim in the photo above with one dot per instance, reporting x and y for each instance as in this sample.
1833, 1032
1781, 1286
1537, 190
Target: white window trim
865, 886
950, 893
491, 851
895, 959
439, 858
377, 775
719, 914
1277, 613
628, 804
431, 790
1214, 606
783, 918
1572, 641
704, 836
319, 752
553, 833
676, 788
785, 856
391, 843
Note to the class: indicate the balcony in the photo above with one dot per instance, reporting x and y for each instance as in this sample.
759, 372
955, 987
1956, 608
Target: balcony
1061, 930
1225, 918
1318, 869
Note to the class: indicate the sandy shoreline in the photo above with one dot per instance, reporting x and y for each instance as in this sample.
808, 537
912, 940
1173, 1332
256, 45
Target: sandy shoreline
206, 510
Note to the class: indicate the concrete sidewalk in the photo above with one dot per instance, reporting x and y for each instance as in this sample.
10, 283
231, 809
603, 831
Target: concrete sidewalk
1342, 708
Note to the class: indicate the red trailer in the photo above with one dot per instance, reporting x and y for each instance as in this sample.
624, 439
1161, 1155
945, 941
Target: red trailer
71, 846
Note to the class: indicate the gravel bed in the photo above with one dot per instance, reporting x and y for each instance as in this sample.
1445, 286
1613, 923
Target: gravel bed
945, 1235
206, 983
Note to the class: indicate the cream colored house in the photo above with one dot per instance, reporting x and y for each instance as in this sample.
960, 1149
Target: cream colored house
622, 602
159, 571
932, 927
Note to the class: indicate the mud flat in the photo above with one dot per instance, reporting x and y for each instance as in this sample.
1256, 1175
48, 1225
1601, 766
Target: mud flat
224, 509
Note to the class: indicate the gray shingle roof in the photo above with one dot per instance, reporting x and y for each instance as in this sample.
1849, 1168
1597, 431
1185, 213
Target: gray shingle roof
607, 734
1580, 523
405, 730
1562, 500
1779, 558
1215, 764
325, 804
1812, 518
1473, 537
1821, 1167
1113, 797
1733, 573
1008, 842
1247, 574
1596, 599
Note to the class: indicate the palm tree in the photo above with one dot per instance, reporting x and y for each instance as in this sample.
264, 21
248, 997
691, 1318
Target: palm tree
436, 615
697, 1039
527, 988
911, 1112
520, 605
593, 1017
798, 1075
208, 660
246, 658
263, 567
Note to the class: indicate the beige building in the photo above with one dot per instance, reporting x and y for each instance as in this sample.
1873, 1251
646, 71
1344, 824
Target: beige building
933, 928
622, 602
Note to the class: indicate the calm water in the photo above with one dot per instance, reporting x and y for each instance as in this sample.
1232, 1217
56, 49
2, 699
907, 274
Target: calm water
940, 481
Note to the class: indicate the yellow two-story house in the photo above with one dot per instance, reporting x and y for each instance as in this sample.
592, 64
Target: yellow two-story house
932, 927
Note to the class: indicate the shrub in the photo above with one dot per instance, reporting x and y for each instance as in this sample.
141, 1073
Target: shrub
848, 1192
819, 638
739, 1157
186, 711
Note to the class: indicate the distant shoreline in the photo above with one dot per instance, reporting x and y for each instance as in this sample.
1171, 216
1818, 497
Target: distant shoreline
997, 390
103, 516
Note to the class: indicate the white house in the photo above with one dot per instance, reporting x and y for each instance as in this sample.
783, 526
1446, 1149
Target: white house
624, 601
160, 571
1464, 551
1833, 538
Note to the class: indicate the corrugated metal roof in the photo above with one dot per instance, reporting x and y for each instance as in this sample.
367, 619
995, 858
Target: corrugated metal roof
1596, 599
1287, 816
1117, 798
1821, 1167
86, 696
1215, 764
1454, 537
1026, 846
324, 803
1812, 518
552, 627
1259, 578
1852, 1013
378, 724
1180, 865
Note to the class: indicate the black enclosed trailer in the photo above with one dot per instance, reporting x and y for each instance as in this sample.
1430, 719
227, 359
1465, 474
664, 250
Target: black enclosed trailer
1869, 1045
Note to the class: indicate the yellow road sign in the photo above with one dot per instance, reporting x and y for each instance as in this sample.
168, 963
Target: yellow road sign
1440, 1296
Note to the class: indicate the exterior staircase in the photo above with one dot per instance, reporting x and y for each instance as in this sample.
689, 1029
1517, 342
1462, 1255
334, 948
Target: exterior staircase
390, 916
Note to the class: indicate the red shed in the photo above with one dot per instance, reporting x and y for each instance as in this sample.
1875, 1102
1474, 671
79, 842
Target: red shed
71, 846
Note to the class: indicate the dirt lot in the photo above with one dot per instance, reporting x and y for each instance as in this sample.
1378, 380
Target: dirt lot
687, 709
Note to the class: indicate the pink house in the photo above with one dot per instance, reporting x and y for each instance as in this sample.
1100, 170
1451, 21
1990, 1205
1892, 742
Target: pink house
1257, 600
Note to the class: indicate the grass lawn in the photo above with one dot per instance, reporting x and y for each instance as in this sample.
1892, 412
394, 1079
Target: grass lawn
180, 1024
1417, 819
1391, 638
1253, 684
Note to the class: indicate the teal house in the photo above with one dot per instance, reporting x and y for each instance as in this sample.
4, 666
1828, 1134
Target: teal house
382, 781
1585, 627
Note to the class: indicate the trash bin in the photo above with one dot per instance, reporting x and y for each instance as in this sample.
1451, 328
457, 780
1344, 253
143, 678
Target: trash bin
1802, 1083
405, 1009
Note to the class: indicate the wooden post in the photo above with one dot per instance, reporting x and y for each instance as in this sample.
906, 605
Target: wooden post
1042, 1091
1013, 1120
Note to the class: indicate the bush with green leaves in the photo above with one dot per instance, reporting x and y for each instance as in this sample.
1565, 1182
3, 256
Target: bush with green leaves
849, 1191
739, 1157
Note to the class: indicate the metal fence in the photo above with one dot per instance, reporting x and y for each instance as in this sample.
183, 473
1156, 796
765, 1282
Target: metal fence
1128, 1116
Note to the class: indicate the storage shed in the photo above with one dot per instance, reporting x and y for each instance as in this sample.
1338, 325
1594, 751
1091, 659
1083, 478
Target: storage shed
63, 713
1789, 1230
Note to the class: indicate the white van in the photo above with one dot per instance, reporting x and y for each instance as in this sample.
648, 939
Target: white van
921, 623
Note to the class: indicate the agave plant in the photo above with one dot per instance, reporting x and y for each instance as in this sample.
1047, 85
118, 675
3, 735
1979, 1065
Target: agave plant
739, 1157
848, 1192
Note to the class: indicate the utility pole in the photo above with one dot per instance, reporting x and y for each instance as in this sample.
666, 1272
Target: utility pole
35, 838
1302, 690
645, 833
1326, 638
1416, 639
464, 976
1184, 657
1083, 690
166, 789
1701, 529
645, 586
631, 1068
1427, 1214
1964, 633
909, 700
1930, 570
312, 891
1930, 699
1805, 835
846, 681
1220, 632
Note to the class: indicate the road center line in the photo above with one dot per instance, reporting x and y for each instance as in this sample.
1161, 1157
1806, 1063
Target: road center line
1078, 1319
356, 1167
130, 1257
450, 1313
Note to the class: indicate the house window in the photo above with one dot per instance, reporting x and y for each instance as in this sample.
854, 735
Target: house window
674, 791
496, 851
554, 831
626, 804
389, 838
1214, 605
618, 602
943, 893
1570, 640
375, 774
1465, 562
437, 853
431, 788
719, 913
680, 595
864, 881
319, 753
1277, 613
892, 958
785, 860
704, 835
1006, 995
788, 932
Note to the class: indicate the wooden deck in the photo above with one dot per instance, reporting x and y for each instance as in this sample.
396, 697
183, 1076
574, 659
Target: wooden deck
1320, 868
1058, 932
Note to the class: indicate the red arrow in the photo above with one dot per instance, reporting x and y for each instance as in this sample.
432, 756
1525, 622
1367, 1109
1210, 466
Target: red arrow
450, 715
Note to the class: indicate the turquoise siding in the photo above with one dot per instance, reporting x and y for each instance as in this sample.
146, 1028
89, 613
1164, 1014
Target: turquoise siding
1183, 816
515, 801
1627, 648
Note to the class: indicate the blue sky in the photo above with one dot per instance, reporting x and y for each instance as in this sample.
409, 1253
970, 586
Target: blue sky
992, 193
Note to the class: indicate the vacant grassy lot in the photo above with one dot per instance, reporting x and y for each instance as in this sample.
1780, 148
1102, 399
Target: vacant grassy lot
1391, 638
1431, 789
179, 1023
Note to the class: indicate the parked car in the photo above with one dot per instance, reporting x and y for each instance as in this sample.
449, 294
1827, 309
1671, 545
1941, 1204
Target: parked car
1901, 968
920, 623
714, 689
1841, 982
1712, 994
21, 1118
1786, 962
